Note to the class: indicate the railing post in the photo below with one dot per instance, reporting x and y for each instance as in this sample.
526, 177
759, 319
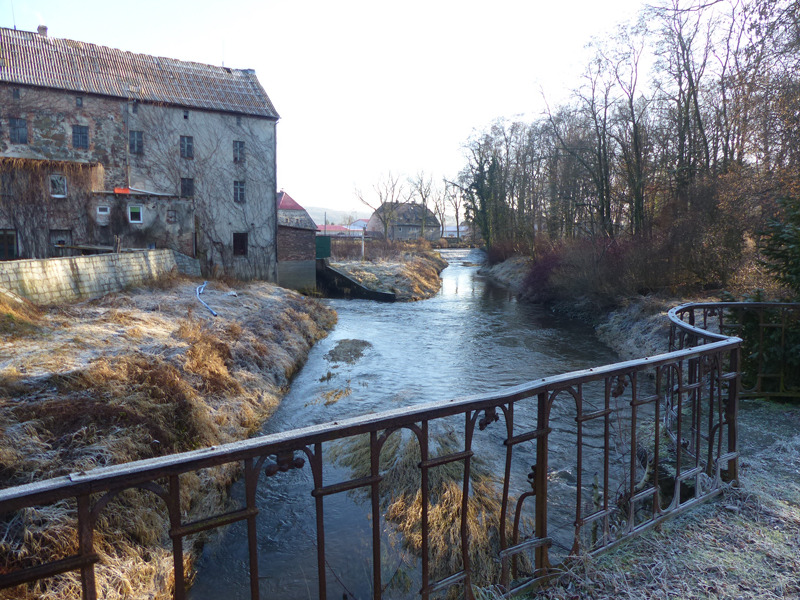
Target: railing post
541, 562
250, 481
86, 547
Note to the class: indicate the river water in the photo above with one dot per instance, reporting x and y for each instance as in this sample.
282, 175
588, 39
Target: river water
473, 337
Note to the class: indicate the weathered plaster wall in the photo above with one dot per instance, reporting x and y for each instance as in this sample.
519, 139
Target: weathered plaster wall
56, 280
213, 169
160, 167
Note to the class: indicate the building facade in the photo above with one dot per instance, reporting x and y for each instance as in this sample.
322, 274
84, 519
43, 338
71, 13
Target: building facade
297, 252
103, 148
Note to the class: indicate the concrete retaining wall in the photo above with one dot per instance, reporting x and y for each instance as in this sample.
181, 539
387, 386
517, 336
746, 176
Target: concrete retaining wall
56, 280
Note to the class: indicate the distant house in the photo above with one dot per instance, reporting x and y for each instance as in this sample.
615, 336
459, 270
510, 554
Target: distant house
98, 144
296, 245
334, 230
463, 231
404, 221
357, 227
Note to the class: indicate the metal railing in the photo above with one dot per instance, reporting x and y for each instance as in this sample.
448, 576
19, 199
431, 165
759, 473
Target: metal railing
579, 462
771, 337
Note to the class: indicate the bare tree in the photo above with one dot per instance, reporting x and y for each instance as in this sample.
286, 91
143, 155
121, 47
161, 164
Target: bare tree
422, 190
389, 193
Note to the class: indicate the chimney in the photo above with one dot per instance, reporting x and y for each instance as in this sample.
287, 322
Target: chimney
42, 30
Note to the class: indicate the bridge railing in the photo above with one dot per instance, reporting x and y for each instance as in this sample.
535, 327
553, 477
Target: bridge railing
771, 341
574, 464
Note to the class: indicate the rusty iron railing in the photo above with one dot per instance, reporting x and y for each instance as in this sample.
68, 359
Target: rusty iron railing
771, 341
583, 461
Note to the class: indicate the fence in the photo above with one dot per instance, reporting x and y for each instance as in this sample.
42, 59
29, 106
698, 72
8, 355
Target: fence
557, 467
771, 339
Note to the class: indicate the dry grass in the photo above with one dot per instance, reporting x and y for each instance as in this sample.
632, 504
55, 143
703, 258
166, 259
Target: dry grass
18, 317
411, 276
135, 375
402, 502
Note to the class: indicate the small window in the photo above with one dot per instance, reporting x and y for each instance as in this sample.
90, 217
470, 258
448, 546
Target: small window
15, 93
135, 107
8, 244
78, 101
238, 191
136, 142
80, 136
58, 185
103, 210
187, 146
18, 130
238, 121
238, 151
187, 187
240, 244
186, 115
172, 216
135, 214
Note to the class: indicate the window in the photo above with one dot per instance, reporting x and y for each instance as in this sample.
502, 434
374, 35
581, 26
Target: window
238, 151
15, 93
186, 115
8, 244
136, 142
18, 129
103, 210
240, 244
78, 101
187, 187
135, 214
238, 121
58, 185
80, 136
172, 216
187, 146
135, 107
238, 191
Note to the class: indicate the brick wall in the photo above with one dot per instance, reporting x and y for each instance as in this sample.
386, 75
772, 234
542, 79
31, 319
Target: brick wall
56, 280
296, 244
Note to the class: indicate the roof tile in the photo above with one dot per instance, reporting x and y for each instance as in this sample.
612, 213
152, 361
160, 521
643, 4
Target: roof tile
27, 58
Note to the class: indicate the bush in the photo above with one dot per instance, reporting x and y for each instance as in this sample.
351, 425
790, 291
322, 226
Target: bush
780, 245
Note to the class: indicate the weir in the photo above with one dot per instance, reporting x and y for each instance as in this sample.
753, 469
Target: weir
649, 438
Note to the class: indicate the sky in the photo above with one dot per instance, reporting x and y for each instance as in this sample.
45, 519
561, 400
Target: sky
363, 88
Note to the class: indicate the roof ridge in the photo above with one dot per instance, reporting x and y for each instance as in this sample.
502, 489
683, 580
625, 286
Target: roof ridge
30, 58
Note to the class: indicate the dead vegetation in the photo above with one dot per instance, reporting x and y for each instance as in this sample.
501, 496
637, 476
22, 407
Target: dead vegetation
132, 376
401, 499
409, 275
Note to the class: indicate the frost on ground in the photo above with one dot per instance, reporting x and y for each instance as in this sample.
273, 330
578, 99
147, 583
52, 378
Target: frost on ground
131, 376
412, 276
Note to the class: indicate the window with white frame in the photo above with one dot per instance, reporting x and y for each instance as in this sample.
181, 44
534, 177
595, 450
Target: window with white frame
135, 213
238, 191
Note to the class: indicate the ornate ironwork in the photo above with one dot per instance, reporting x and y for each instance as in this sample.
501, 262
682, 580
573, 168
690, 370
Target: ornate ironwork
630, 444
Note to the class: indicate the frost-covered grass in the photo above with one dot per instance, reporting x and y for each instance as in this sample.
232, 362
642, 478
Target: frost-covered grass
132, 376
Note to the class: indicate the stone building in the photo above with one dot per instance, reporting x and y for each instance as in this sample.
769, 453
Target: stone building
404, 221
297, 252
99, 146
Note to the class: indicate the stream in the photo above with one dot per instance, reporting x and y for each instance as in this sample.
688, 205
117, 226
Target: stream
472, 338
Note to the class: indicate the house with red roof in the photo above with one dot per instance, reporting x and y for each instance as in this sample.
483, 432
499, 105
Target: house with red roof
296, 245
101, 148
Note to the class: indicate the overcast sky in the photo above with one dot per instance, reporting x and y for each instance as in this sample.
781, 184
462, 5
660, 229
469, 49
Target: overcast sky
363, 87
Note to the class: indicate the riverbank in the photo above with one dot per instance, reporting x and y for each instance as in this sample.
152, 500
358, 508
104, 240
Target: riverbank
410, 276
131, 376
744, 545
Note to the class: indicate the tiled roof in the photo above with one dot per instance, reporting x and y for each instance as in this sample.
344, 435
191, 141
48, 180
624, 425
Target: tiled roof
28, 58
286, 202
